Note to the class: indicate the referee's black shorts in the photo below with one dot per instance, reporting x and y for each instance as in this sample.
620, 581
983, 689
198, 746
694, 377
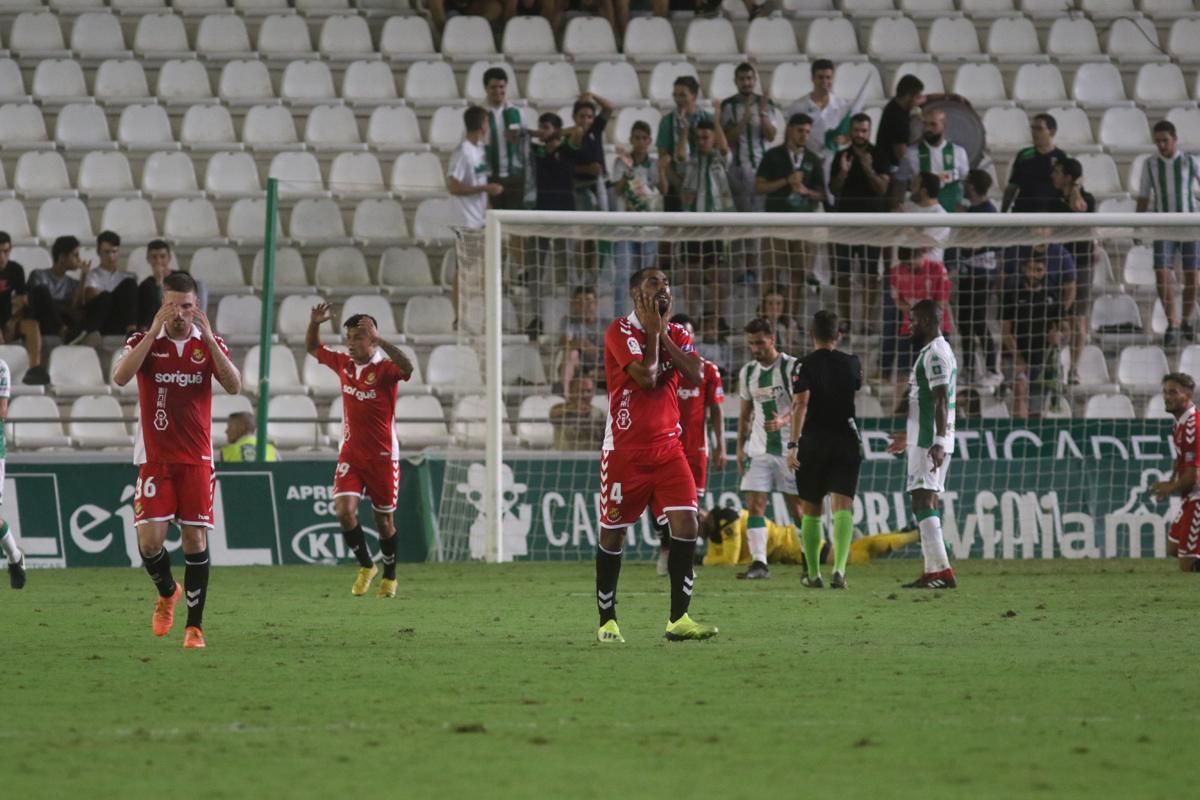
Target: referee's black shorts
828, 463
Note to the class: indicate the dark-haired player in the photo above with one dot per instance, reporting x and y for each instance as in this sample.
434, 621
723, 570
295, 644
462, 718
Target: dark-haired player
369, 458
175, 362
827, 452
642, 462
1184, 539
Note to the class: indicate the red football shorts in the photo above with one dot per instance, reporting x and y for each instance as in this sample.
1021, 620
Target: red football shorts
698, 461
380, 482
182, 492
630, 480
1185, 531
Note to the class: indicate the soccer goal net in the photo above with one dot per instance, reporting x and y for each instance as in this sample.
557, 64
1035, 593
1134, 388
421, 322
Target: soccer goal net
1062, 327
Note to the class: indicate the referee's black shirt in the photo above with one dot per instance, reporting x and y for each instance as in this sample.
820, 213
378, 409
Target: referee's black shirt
831, 377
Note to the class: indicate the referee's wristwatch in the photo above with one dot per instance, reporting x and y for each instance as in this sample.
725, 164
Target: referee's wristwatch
792, 445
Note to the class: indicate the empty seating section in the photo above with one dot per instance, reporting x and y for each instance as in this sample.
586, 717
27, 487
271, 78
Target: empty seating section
167, 119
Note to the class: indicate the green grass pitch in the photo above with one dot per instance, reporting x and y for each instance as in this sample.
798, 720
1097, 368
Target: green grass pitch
1033, 679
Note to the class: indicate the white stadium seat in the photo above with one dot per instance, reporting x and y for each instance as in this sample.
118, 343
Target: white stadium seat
22, 126
407, 38
392, 128
105, 174
1133, 39
40, 174
183, 82
12, 82
522, 365
118, 82
589, 39
430, 83
373, 305
929, 74
369, 83
318, 379
245, 82
1109, 406
192, 220
446, 128
1140, 368
405, 271
231, 175
1187, 124
223, 36
421, 422
63, 216
270, 127
14, 220
332, 127
1156, 408
617, 82
18, 362
1073, 38
1007, 129
790, 81
356, 174
317, 222
434, 220
428, 319
169, 174
145, 127
98, 35
37, 35
284, 36
772, 39
345, 36
238, 318
103, 432
1112, 310
1160, 86
1126, 130
284, 377
132, 216
342, 271
983, 83
307, 82
1092, 370
294, 312
46, 433
208, 128
1098, 85
533, 420
1039, 85
378, 222
1013, 39
290, 275
894, 39
75, 371
469, 420
303, 431
466, 38
953, 38
849, 79
552, 83
1100, 174
219, 268
453, 366
528, 39
650, 39
59, 81
247, 219
160, 35
831, 37
1074, 129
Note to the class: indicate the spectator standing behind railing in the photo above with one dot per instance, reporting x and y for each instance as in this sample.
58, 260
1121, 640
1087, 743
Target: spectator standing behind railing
1074, 199
1032, 310
636, 187
676, 138
1031, 181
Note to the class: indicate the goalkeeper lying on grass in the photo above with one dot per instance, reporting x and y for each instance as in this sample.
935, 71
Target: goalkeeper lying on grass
724, 530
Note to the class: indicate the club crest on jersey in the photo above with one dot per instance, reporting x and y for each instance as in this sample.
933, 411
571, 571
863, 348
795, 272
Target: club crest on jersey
370, 379
198, 356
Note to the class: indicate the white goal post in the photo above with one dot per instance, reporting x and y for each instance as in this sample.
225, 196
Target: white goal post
819, 229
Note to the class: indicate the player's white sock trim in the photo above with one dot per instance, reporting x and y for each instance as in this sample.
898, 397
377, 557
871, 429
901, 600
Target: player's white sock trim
756, 539
9, 543
933, 546
610, 552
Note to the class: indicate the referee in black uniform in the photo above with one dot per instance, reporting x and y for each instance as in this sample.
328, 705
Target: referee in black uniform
828, 453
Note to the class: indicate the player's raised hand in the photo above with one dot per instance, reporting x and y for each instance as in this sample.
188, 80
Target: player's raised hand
647, 312
320, 313
166, 313
897, 442
201, 320
367, 326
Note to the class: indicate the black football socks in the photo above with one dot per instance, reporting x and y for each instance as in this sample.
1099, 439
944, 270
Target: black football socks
679, 568
159, 567
608, 569
387, 551
195, 586
357, 543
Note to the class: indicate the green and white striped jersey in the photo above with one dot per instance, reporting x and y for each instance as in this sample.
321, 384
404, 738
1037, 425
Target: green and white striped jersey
1171, 182
935, 366
770, 389
5, 388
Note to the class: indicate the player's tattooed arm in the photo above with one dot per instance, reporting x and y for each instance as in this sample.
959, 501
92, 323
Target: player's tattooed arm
312, 337
397, 356
131, 362
227, 374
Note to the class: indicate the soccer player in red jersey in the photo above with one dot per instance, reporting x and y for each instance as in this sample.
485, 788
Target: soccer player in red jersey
696, 403
175, 362
1184, 538
369, 459
642, 461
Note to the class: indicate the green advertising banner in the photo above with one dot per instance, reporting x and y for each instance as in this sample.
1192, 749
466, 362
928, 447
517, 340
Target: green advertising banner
279, 513
1069, 489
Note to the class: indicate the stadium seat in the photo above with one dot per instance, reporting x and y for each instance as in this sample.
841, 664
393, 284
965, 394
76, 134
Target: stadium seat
23, 127
47, 431
662, 80
160, 36
317, 222
849, 78
393, 128
284, 377
1187, 124
132, 216
1156, 408
528, 39
894, 39
446, 128
223, 36
332, 127
307, 83
1007, 129
1074, 130
533, 420
453, 368
983, 83
318, 8
869, 8
299, 175
120, 82
1099, 9
58, 81
105, 174
1109, 406
41, 174
18, 363
1126, 130
1073, 39
421, 422
379, 222
169, 174
651, 39
404, 271
231, 175
1140, 368
12, 83
1160, 86
1098, 86
800, 9
345, 37
98, 35
589, 39
771, 39
1167, 9
1039, 86
1133, 39
1100, 174
430, 83
469, 421
219, 268
75, 371
522, 366
617, 82
1013, 39
372, 305
192, 220
238, 318
467, 38
319, 380
1189, 360
245, 82
831, 37
342, 271
356, 175
1138, 268
953, 38
207, 128
434, 220
103, 432
145, 127
14, 220
1115, 311
270, 127
407, 38
367, 83
184, 82
247, 219
429, 320
36, 35
290, 275
63, 216
552, 83
1092, 371
284, 36
225, 404
929, 74
722, 83
293, 314
303, 431
790, 81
